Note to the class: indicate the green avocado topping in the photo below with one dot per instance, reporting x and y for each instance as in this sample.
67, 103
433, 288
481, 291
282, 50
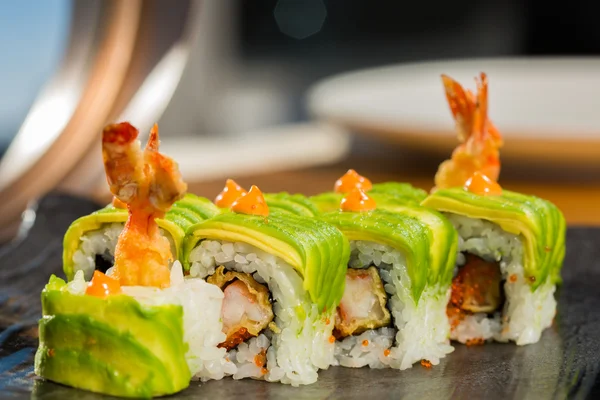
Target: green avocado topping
190, 210
112, 346
540, 224
425, 238
316, 250
293, 203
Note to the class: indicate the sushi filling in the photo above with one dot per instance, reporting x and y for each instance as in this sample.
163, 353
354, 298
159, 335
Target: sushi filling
96, 249
476, 288
363, 305
491, 297
246, 309
288, 348
411, 331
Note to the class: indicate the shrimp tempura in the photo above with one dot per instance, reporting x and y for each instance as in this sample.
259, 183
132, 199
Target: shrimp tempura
148, 183
480, 140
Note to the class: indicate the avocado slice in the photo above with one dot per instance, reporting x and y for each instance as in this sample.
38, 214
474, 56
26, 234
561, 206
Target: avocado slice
316, 250
426, 239
184, 213
386, 192
112, 346
540, 224
399, 190
293, 203
442, 236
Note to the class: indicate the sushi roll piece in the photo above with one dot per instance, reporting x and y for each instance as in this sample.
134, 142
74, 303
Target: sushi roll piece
89, 243
110, 344
388, 192
393, 311
282, 276
142, 329
512, 248
512, 245
129, 341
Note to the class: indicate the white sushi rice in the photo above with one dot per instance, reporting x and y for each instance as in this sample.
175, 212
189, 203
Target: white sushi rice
302, 346
100, 242
201, 304
368, 348
525, 314
421, 329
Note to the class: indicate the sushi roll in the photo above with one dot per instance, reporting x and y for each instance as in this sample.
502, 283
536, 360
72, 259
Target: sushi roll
282, 275
512, 248
89, 243
511, 245
142, 329
129, 341
112, 345
389, 192
393, 311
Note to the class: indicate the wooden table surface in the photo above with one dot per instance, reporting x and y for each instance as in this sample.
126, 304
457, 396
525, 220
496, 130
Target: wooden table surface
578, 199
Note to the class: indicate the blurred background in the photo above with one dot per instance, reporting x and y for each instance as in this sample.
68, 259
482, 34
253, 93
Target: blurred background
232, 85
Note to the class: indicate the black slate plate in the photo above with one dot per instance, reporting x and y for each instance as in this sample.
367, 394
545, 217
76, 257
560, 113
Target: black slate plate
564, 364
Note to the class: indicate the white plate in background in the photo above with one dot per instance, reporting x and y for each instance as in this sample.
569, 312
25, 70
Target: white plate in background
548, 109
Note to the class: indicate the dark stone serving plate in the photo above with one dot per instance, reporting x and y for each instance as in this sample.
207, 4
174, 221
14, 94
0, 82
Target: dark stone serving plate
564, 364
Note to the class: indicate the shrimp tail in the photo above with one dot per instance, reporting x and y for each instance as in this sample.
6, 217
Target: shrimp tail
123, 161
148, 183
480, 140
166, 184
462, 106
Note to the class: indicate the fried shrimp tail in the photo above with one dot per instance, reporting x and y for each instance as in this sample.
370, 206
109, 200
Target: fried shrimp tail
147, 182
480, 140
166, 184
122, 160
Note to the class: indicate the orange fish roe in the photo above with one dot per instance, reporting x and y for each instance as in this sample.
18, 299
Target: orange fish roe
475, 342
453, 311
512, 278
356, 201
261, 358
365, 342
252, 203
102, 285
532, 279
327, 321
482, 185
231, 192
386, 352
351, 180
426, 363
264, 371
331, 339
548, 249
50, 352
